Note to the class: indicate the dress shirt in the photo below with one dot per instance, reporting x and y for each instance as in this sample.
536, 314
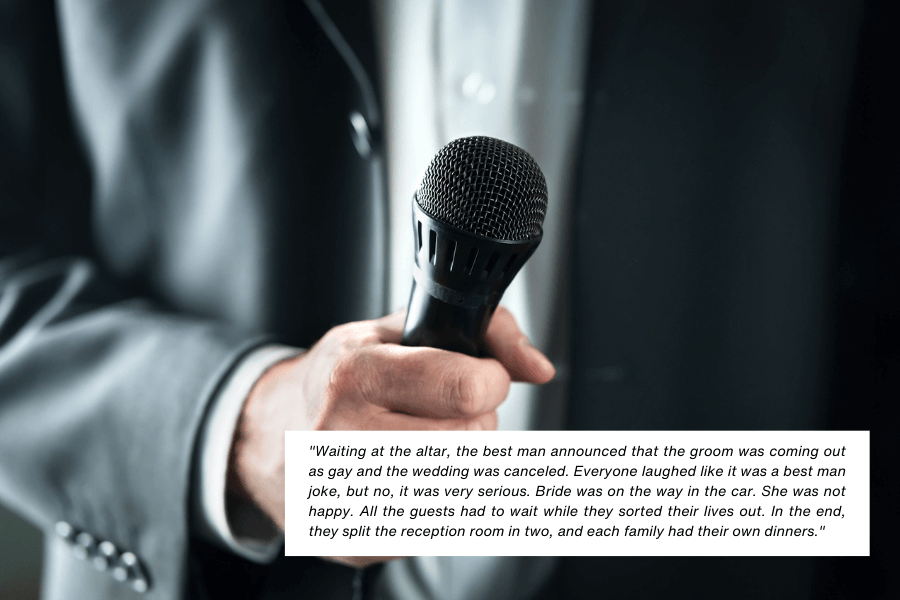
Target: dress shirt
514, 70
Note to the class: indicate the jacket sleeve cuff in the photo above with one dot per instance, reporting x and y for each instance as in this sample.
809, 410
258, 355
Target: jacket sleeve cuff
219, 517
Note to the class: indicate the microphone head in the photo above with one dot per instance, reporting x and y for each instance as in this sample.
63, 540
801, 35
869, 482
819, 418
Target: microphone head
486, 187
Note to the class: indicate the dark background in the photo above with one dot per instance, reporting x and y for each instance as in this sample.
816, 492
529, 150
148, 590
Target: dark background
864, 379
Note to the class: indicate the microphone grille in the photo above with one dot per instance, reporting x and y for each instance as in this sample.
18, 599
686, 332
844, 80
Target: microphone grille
486, 187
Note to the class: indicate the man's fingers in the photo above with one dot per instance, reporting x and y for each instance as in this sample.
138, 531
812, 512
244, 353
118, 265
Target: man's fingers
392, 421
436, 384
425, 382
506, 342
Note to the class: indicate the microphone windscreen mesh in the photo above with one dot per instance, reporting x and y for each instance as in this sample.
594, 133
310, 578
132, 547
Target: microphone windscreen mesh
487, 187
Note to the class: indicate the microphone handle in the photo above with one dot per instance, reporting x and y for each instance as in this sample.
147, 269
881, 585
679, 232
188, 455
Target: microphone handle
437, 324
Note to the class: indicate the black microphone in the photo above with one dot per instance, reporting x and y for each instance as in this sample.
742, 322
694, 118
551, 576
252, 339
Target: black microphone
477, 217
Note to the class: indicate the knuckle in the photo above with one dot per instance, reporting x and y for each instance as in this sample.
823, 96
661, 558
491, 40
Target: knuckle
351, 369
356, 334
338, 379
347, 375
340, 332
465, 393
368, 334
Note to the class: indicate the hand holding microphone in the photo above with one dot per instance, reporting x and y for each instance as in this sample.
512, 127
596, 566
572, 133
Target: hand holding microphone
359, 376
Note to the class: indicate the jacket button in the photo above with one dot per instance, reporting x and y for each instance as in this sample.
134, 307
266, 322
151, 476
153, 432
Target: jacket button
120, 573
133, 571
106, 556
65, 531
85, 546
360, 134
140, 585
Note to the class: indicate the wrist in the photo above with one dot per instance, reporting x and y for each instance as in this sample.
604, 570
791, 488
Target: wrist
256, 461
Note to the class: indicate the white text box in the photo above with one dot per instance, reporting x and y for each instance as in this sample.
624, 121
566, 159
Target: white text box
577, 493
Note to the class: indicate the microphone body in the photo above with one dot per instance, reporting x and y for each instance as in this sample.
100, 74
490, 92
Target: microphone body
460, 274
458, 280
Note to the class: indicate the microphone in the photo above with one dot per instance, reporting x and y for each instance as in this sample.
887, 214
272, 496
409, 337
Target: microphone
477, 217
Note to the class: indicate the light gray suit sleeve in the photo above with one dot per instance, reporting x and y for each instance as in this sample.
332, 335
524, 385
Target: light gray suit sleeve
100, 401
186, 213
102, 391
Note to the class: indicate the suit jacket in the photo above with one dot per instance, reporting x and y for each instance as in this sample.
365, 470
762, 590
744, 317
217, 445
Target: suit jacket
179, 178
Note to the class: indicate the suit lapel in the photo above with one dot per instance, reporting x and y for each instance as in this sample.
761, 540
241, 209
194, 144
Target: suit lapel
350, 27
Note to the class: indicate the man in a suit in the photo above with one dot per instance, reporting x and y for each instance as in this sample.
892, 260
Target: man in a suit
180, 193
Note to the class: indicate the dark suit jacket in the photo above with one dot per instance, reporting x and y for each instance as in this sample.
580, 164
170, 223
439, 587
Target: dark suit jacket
179, 178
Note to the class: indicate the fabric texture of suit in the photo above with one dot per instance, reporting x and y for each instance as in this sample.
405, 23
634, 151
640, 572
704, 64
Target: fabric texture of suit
178, 180
224, 194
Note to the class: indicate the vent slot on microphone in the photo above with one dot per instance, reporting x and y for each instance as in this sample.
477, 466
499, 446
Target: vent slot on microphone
432, 245
509, 264
491, 263
419, 247
451, 255
470, 262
